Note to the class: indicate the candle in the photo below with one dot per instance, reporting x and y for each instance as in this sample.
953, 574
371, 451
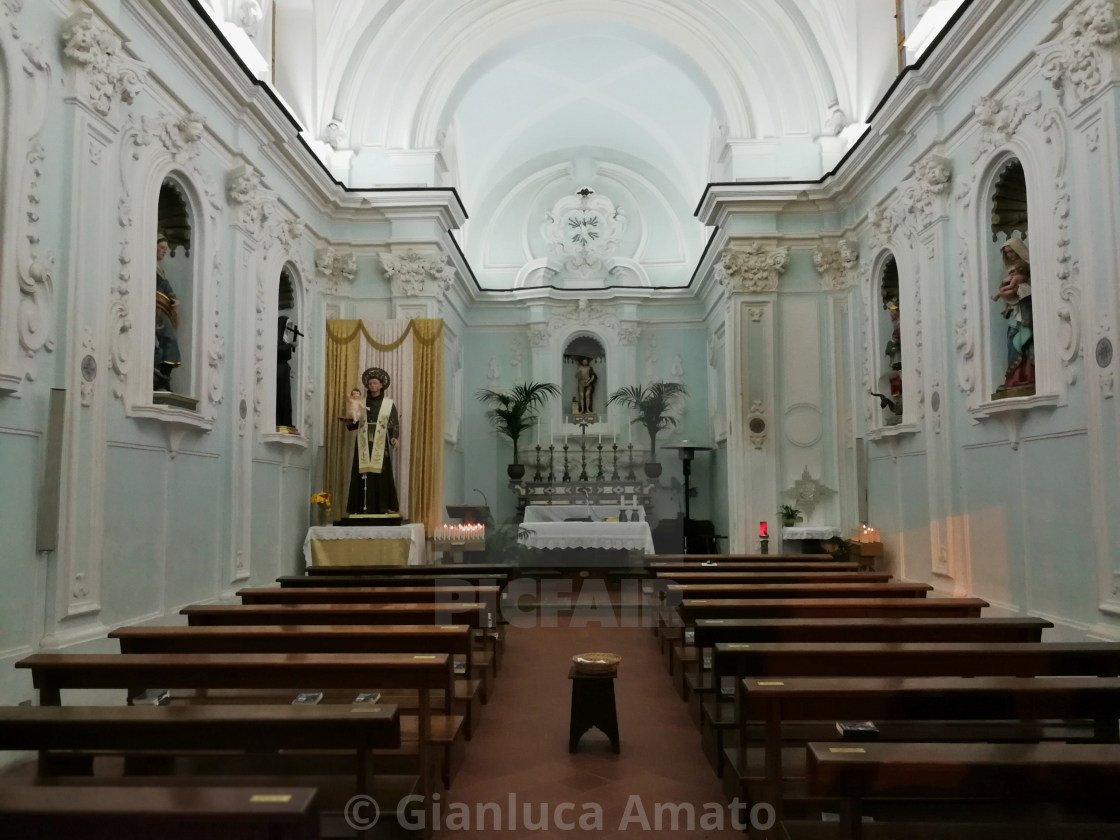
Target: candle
600, 438
630, 433
538, 430
762, 532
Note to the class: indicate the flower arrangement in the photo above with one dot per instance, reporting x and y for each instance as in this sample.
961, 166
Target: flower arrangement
323, 500
789, 515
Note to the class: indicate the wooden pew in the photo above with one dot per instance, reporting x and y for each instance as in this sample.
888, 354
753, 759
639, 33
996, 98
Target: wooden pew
677, 592
709, 631
715, 720
170, 813
455, 639
693, 559
422, 673
440, 595
776, 701
436, 569
718, 575
732, 662
474, 614
55, 732
654, 566
690, 610
452, 579
1085, 776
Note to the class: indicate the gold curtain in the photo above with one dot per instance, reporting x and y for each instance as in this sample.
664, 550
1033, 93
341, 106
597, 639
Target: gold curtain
343, 346
425, 492
425, 489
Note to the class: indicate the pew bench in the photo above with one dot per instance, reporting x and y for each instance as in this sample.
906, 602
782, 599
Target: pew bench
170, 813
424, 674
732, 662
777, 701
691, 610
456, 640
1081, 778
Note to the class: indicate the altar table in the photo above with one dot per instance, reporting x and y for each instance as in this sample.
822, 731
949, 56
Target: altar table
366, 545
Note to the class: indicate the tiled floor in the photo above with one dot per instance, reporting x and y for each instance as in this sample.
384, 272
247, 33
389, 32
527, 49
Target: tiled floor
519, 770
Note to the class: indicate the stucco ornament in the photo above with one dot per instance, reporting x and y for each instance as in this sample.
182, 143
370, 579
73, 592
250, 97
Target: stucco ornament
752, 267
107, 74
582, 232
836, 264
1076, 61
335, 267
414, 273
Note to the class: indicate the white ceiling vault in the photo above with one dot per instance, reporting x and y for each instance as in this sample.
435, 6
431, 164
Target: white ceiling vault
519, 103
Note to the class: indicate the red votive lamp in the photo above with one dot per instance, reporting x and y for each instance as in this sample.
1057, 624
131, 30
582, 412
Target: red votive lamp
762, 530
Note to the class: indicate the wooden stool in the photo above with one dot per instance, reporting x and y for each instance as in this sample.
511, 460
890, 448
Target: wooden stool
592, 706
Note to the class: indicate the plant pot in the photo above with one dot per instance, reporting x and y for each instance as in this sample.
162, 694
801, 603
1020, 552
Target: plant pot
515, 472
788, 523
652, 468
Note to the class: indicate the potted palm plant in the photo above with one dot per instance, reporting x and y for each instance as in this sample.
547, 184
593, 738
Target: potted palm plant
653, 404
514, 412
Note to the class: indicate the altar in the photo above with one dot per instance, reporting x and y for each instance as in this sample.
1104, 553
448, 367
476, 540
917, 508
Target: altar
588, 544
364, 546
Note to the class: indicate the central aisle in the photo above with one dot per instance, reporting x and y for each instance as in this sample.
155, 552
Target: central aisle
521, 747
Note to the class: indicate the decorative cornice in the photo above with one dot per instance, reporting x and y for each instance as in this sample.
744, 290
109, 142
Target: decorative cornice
999, 122
836, 264
335, 267
752, 267
418, 274
103, 74
1079, 61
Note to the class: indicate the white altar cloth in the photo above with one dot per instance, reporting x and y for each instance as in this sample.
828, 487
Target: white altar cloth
627, 536
810, 532
414, 533
560, 513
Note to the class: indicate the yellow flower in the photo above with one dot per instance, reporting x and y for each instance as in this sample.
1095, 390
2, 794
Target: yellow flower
323, 499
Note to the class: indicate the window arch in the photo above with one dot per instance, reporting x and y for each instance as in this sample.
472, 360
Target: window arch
1011, 316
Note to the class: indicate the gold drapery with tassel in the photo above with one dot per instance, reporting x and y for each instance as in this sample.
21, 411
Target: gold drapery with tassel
425, 415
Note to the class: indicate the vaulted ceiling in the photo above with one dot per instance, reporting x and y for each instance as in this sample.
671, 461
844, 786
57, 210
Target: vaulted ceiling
517, 103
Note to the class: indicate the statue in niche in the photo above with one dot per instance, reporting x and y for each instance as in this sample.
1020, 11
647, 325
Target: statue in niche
1014, 291
585, 386
167, 356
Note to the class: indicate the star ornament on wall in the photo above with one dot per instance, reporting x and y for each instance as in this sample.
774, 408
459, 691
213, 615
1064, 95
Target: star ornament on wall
583, 229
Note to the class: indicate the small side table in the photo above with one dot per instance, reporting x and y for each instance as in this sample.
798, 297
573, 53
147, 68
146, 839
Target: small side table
592, 706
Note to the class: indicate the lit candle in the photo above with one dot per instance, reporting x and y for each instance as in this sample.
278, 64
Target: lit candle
762, 531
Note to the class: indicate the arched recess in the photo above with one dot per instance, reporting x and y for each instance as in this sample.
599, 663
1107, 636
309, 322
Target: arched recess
289, 405
578, 347
889, 382
1012, 344
177, 299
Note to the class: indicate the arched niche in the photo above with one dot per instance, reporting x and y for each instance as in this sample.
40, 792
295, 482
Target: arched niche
579, 347
176, 375
889, 382
288, 406
1011, 320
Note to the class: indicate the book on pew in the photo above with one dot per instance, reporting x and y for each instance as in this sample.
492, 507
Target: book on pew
460, 668
307, 698
368, 697
857, 730
689, 637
